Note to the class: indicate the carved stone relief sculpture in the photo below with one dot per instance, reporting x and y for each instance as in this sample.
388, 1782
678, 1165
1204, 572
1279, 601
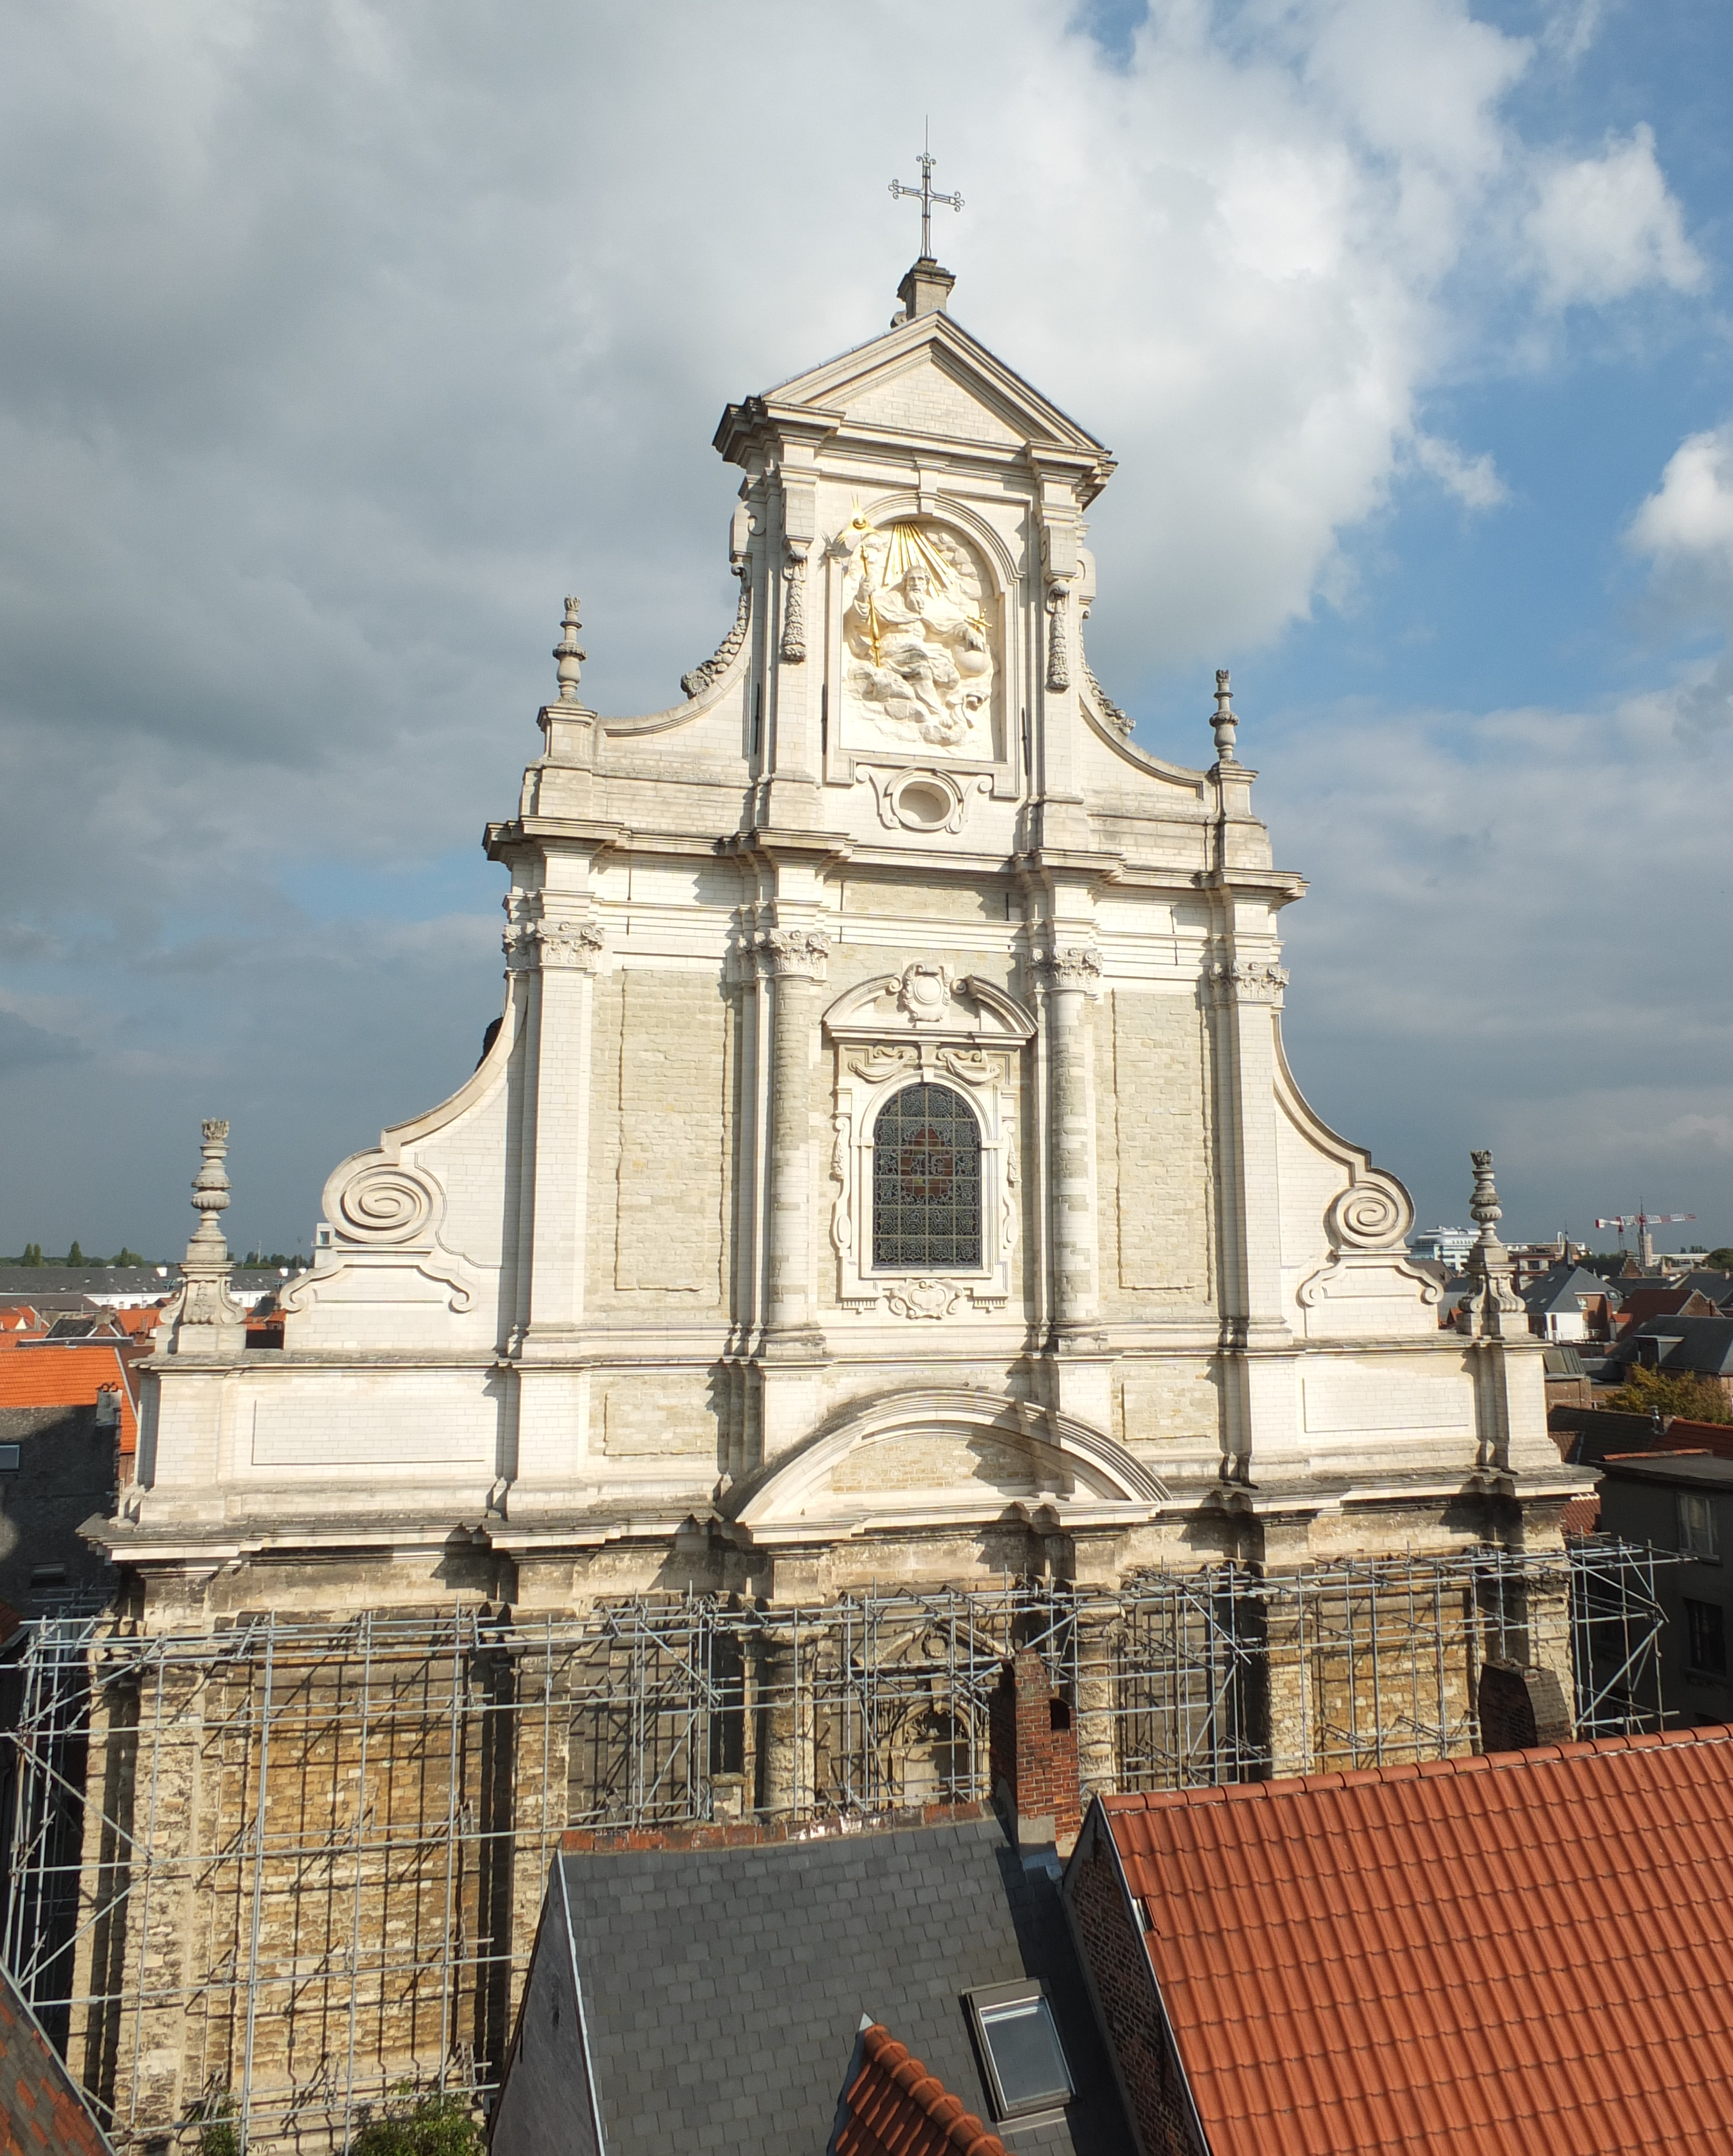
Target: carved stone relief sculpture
919, 662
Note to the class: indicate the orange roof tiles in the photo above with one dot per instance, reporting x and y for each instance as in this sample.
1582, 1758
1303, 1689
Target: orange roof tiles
895, 2107
1417, 1956
54, 1376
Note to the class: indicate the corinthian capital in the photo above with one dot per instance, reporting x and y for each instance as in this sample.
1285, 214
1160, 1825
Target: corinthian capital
1070, 966
568, 943
793, 953
1248, 980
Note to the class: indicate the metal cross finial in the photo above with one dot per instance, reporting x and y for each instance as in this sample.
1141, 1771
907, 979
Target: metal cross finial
927, 199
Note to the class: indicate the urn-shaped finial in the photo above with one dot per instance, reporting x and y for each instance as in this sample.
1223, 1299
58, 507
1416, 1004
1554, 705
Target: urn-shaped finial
569, 656
1225, 721
1484, 1205
211, 1188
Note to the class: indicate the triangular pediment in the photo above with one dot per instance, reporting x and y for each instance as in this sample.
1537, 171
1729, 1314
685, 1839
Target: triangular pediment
929, 376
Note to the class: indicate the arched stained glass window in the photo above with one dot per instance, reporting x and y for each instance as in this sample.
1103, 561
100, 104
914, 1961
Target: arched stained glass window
927, 1183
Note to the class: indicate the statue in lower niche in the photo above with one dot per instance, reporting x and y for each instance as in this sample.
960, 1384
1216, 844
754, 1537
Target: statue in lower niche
919, 666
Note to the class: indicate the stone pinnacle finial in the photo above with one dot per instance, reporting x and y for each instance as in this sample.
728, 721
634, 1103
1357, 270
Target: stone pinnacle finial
1497, 1309
1224, 722
210, 1192
203, 1318
1484, 1207
570, 654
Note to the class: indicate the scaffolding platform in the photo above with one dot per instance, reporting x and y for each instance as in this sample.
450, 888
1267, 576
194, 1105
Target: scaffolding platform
271, 1873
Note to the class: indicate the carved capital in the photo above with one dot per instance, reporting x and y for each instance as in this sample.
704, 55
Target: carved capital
1248, 981
1070, 966
563, 944
792, 953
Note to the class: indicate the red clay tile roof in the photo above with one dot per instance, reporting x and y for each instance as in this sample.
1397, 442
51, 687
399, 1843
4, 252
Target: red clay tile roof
896, 2109
42, 2112
51, 1376
1581, 1515
1415, 1957
1683, 1436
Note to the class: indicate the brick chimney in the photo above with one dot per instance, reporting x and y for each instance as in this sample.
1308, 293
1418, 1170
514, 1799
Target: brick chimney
1031, 1756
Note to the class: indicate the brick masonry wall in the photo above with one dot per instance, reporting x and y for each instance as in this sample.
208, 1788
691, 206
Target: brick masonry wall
1033, 1746
1125, 1988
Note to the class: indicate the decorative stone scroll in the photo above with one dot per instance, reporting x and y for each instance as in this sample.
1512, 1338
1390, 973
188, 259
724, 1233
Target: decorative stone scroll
728, 651
922, 1298
386, 1203
1369, 1284
1108, 712
1372, 1215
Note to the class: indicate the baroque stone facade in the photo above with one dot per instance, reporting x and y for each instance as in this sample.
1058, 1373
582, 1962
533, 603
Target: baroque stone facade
886, 1167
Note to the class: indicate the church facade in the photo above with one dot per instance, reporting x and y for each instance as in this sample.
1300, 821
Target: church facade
886, 1167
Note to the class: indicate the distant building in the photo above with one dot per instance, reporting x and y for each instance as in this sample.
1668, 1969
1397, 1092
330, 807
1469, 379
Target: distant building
1682, 1346
1448, 1247
123, 1287
68, 1437
1564, 1302
1683, 1501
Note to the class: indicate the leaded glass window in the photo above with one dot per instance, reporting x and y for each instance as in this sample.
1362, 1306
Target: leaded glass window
927, 1183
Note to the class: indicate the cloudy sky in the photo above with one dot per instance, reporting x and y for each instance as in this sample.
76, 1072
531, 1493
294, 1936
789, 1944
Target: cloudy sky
338, 340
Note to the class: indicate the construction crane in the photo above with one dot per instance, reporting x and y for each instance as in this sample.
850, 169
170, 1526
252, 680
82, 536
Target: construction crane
1643, 1222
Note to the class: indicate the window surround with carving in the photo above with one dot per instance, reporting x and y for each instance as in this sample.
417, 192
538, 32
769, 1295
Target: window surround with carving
925, 1027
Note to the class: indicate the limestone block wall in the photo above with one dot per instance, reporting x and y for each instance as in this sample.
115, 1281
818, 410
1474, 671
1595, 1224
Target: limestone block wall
1154, 1154
662, 1120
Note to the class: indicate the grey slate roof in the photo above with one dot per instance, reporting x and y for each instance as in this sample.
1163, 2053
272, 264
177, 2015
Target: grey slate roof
1702, 1344
1718, 1286
724, 1987
64, 1287
1558, 1287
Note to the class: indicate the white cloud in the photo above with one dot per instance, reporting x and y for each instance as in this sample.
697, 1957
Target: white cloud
1473, 480
1511, 941
1689, 515
337, 343
1604, 227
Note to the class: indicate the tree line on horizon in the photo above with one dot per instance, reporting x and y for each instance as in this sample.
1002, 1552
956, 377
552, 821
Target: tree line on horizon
31, 1254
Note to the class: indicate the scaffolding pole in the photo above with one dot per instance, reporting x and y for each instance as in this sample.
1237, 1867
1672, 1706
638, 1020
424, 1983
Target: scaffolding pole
275, 1872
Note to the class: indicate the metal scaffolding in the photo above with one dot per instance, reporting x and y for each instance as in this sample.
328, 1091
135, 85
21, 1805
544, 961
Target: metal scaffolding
274, 1871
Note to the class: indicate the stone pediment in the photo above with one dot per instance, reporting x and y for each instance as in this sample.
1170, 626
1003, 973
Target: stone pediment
928, 378
950, 1457
927, 1002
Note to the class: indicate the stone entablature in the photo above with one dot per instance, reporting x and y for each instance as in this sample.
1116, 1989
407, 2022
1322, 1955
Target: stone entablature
894, 835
